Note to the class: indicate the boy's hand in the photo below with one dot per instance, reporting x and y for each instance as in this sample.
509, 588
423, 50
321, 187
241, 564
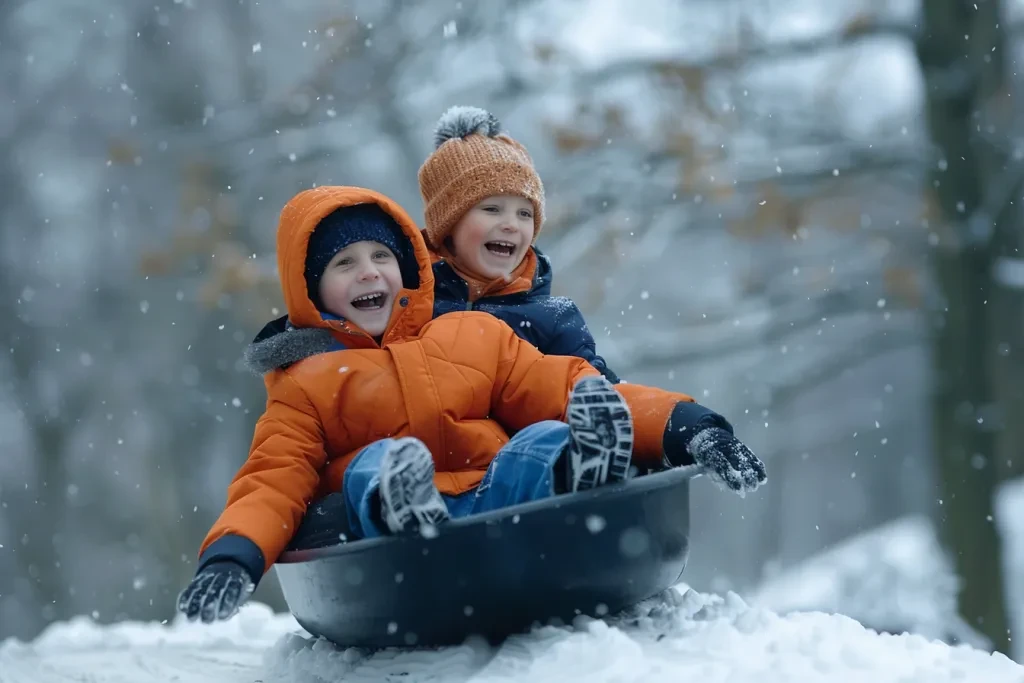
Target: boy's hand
216, 592
727, 460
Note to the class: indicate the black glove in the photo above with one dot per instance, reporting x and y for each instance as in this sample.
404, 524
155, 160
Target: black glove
216, 592
726, 460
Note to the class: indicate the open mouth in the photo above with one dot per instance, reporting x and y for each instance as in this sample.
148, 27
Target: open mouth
370, 302
500, 248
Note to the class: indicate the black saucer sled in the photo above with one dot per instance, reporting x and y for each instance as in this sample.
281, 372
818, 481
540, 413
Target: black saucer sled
492, 574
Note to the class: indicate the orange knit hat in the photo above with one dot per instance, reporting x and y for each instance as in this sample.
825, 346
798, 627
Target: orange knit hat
473, 160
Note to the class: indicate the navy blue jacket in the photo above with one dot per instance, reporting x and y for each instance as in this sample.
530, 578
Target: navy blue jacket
554, 324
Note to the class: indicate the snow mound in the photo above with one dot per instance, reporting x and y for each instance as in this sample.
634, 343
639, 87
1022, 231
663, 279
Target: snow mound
682, 635
893, 578
257, 627
81, 650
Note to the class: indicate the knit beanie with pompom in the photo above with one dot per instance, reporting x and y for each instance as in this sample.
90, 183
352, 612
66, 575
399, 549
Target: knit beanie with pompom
472, 160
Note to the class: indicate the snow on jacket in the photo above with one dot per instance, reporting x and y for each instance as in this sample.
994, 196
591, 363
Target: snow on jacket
461, 382
554, 324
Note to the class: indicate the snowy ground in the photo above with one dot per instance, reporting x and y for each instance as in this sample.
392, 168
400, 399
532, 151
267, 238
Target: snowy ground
894, 577
898, 578
684, 636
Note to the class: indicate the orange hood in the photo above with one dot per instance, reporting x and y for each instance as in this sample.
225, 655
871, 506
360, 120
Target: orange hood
412, 309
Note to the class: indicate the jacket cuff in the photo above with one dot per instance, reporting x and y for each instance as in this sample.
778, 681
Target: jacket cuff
683, 424
237, 549
605, 370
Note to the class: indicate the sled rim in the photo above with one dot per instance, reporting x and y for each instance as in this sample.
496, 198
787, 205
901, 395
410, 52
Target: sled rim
632, 487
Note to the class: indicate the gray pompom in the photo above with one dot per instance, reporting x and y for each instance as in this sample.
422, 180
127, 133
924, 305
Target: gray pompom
458, 122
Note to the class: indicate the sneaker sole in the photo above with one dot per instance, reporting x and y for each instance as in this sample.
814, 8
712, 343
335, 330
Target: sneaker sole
408, 497
601, 434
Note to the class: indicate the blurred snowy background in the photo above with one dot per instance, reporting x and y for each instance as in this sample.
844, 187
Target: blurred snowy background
805, 213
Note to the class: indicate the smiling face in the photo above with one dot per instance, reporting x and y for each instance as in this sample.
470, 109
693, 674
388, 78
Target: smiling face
360, 284
491, 240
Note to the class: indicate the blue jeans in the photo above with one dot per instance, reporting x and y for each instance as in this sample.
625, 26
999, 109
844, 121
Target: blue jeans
522, 470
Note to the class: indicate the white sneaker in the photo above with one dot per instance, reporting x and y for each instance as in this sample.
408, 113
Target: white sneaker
408, 497
601, 435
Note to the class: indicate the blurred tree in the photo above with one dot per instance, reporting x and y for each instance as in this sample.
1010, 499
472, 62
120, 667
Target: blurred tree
50, 392
962, 51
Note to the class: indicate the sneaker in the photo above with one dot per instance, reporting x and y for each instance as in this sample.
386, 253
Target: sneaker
600, 435
408, 497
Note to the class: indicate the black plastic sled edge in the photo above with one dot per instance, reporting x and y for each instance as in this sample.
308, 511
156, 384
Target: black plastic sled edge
497, 573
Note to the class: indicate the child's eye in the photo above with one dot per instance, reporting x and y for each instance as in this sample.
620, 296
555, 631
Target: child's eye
491, 209
382, 254
343, 262
526, 214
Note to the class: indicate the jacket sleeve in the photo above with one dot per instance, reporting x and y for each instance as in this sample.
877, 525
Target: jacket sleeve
268, 496
570, 336
530, 387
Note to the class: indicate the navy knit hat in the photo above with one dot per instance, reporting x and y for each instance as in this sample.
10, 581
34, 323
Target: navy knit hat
357, 223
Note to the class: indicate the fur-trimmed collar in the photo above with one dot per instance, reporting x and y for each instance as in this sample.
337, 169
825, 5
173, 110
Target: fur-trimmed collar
279, 345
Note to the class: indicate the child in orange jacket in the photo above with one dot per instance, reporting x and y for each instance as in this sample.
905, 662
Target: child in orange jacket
410, 417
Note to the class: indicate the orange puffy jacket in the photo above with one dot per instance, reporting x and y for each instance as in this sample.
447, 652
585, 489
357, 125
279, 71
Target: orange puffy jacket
461, 383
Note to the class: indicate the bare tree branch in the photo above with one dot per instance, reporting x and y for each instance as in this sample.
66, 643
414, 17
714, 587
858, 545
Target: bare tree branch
786, 320
845, 361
